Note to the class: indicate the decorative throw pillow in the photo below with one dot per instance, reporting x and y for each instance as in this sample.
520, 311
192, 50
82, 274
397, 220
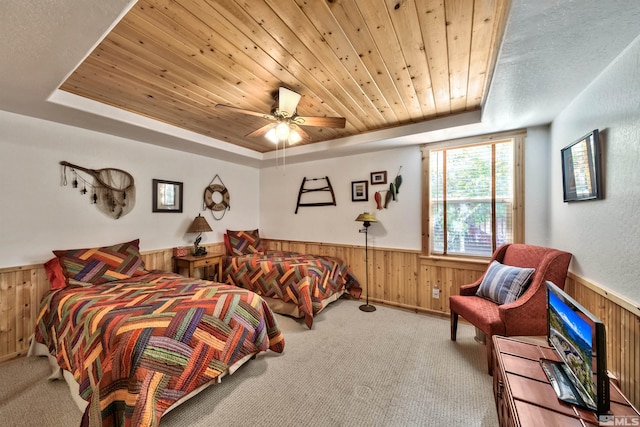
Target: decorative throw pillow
55, 274
243, 242
101, 265
503, 284
78, 284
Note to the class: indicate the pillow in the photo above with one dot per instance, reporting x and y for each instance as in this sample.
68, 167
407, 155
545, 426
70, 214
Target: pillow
243, 242
55, 274
227, 245
503, 284
78, 284
101, 265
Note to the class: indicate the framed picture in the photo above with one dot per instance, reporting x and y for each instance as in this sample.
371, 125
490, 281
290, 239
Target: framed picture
359, 191
378, 177
167, 196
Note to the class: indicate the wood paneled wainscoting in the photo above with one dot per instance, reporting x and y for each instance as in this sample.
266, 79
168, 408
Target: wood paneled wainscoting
397, 277
622, 320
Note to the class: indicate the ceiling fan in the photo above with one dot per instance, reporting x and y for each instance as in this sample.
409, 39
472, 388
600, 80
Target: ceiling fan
285, 126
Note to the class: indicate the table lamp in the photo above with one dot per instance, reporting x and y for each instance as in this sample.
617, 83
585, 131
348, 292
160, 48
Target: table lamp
199, 225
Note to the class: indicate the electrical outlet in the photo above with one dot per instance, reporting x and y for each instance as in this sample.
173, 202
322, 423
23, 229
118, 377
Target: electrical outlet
436, 293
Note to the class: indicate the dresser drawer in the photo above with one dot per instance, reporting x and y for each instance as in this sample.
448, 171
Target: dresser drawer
207, 262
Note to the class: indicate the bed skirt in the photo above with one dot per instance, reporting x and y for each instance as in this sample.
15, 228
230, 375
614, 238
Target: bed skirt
291, 309
39, 349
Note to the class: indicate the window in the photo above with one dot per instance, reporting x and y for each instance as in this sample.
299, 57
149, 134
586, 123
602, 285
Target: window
472, 191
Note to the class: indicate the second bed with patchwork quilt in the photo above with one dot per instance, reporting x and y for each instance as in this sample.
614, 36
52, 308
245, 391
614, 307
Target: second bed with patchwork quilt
287, 279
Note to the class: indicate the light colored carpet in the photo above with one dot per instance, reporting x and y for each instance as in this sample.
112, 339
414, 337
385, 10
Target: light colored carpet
386, 368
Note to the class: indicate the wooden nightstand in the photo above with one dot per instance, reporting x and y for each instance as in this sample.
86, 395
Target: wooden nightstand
204, 261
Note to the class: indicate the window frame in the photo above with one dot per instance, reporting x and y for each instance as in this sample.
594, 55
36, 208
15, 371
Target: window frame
518, 138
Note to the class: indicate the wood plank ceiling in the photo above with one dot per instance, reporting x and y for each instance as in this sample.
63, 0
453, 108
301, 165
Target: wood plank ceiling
378, 63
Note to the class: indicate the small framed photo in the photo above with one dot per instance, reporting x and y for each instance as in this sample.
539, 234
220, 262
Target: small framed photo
359, 191
378, 177
167, 196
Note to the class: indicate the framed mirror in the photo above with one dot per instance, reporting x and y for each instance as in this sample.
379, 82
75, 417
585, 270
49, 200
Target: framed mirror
167, 196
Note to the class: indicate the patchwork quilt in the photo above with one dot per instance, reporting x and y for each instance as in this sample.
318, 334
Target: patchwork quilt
305, 280
137, 345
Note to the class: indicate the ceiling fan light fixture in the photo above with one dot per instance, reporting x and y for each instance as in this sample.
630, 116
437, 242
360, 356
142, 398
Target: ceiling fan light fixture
271, 135
294, 137
282, 131
286, 125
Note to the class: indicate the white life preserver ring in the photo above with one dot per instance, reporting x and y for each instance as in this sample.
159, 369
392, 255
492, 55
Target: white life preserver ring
223, 204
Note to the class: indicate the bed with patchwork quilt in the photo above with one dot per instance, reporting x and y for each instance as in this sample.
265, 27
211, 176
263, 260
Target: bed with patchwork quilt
138, 343
295, 284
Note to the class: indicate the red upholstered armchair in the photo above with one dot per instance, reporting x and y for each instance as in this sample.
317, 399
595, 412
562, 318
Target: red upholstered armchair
524, 316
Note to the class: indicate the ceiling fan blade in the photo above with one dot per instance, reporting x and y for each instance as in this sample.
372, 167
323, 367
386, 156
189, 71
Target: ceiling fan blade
261, 131
248, 112
329, 122
288, 101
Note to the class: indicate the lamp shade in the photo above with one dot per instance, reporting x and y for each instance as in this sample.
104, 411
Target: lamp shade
199, 225
366, 217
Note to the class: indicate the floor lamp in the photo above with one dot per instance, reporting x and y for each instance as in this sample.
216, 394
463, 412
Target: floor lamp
366, 218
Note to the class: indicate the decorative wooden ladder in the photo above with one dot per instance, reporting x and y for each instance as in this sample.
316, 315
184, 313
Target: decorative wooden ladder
309, 190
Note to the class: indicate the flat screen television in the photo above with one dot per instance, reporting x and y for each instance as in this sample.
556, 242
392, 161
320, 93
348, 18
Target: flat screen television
578, 338
581, 168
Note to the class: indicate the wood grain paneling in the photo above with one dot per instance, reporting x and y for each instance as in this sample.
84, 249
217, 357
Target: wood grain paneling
378, 63
21, 289
622, 321
400, 278
447, 276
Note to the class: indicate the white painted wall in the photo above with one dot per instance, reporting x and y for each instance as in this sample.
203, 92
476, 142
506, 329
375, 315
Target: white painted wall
536, 186
398, 226
38, 215
604, 235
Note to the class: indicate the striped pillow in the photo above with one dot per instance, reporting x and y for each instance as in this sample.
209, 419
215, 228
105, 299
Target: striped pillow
243, 242
503, 284
101, 265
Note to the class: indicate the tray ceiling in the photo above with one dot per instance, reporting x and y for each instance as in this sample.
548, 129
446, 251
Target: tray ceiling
378, 63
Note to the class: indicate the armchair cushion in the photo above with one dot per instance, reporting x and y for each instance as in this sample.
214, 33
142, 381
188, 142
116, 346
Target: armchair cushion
503, 284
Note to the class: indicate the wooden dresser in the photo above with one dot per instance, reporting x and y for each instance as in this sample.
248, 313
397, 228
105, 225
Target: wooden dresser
524, 396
